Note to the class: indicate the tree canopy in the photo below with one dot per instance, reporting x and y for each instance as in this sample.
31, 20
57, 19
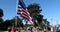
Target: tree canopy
1, 12
35, 10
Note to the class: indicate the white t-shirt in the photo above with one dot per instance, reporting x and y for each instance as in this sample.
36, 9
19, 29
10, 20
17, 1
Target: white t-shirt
51, 28
44, 29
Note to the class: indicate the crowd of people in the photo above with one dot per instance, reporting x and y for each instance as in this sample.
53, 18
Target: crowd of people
28, 29
36, 29
55, 29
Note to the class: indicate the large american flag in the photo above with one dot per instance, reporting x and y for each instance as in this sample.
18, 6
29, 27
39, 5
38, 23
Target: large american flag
23, 11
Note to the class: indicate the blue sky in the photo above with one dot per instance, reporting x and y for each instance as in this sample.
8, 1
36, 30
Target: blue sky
50, 9
9, 8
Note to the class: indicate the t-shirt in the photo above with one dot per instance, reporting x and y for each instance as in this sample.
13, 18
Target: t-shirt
28, 28
51, 28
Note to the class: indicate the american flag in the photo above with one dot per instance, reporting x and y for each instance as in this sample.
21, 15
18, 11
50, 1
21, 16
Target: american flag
23, 11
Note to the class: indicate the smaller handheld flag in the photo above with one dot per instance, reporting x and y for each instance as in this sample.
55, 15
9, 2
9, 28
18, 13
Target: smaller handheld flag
13, 28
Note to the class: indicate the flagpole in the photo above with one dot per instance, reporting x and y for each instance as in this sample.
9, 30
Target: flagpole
16, 13
15, 21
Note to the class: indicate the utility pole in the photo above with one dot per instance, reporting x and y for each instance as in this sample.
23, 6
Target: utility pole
52, 21
52, 24
57, 24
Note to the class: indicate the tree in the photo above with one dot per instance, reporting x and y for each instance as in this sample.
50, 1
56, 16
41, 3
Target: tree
35, 10
1, 23
19, 22
6, 24
1, 20
46, 23
1, 12
16, 21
